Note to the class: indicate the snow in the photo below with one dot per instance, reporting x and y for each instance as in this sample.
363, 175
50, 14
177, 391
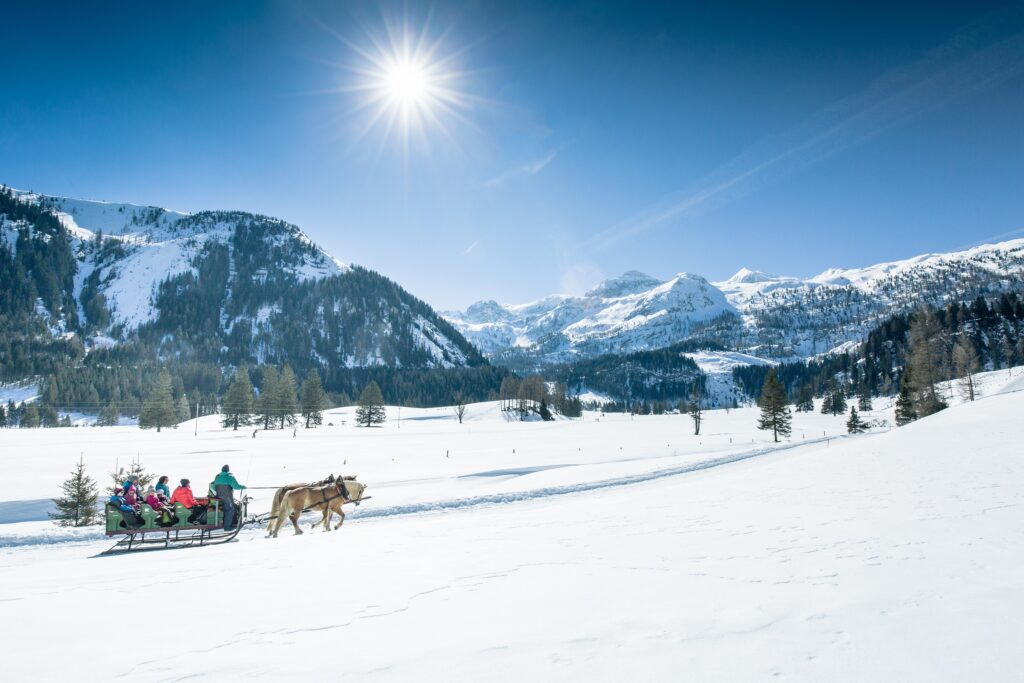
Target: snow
19, 392
602, 549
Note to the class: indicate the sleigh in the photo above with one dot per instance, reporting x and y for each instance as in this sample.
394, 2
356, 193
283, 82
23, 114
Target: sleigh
148, 530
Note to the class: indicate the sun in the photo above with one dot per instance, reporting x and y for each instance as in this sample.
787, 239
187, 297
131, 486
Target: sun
409, 86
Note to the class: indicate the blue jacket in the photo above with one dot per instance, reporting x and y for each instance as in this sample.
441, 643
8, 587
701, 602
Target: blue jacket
165, 488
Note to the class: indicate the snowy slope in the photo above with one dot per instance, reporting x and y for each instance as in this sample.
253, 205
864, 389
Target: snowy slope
765, 316
629, 313
890, 556
239, 282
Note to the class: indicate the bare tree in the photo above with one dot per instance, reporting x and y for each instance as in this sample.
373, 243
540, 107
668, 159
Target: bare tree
459, 407
695, 409
965, 361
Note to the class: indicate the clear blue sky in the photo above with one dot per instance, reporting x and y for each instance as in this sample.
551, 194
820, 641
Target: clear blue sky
587, 138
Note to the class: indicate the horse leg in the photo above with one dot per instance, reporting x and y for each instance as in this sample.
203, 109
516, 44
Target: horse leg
341, 515
294, 516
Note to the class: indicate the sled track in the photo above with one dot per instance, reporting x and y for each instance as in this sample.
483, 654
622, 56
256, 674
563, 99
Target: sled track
584, 487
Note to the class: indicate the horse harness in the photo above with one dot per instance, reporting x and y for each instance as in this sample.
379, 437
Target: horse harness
342, 493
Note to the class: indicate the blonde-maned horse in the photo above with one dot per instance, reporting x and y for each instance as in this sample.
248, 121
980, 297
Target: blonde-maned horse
275, 506
327, 498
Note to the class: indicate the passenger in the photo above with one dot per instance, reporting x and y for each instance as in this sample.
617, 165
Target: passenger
163, 487
131, 497
183, 495
131, 481
225, 485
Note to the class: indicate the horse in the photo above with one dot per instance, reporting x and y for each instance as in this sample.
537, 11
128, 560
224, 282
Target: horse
275, 506
329, 498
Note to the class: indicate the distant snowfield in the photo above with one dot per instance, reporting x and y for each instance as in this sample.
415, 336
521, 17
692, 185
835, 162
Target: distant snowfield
890, 556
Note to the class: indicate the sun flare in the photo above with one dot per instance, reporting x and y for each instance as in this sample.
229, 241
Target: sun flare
410, 87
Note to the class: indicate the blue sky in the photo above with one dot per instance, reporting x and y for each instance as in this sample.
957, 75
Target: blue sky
585, 139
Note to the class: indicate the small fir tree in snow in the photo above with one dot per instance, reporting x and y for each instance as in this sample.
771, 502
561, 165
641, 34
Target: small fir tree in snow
314, 400
905, 412
236, 407
864, 400
266, 402
775, 414
544, 411
109, 416
371, 406
804, 399
29, 417
3, 416
695, 410
855, 425
826, 403
287, 403
159, 411
838, 402
77, 507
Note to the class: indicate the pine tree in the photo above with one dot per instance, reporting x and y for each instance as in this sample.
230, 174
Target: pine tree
543, 411
965, 362
855, 425
804, 399
371, 406
182, 409
774, 407
287, 403
3, 416
864, 400
159, 410
826, 403
905, 412
838, 402
314, 400
29, 417
266, 402
77, 507
109, 416
695, 409
237, 404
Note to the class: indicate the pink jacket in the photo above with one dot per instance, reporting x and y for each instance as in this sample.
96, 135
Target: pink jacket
154, 502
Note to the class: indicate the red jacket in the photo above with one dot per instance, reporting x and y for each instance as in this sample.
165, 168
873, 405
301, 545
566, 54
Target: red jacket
183, 495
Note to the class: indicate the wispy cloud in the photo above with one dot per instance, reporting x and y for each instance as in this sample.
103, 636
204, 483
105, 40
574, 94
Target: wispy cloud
532, 168
468, 250
977, 57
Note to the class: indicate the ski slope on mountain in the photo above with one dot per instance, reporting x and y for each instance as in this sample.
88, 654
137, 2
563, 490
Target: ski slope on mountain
889, 556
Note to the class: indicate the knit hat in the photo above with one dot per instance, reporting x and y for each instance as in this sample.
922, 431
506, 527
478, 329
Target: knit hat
225, 468
184, 482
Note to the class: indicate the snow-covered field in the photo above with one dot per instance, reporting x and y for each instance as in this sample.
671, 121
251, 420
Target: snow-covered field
600, 549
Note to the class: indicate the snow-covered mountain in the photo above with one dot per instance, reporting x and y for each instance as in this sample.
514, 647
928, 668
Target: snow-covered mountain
631, 312
220, 286
770, 317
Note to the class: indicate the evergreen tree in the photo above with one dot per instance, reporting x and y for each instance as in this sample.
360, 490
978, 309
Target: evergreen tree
774, 407
864, 400
826, 403
29, 417
266, 402
237, 404
855, 425
805, 399
287, 403
695, 409
543, 411
135, 469
77, 507
314, 400
109, 416
371, 406
965, 363
838, 402
182, 409
904, 402
3, 416
159, 410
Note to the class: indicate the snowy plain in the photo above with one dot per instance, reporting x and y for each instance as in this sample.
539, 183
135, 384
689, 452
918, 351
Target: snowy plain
600, 549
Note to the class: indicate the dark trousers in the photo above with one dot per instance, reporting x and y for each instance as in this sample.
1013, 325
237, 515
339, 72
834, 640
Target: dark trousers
229, 512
